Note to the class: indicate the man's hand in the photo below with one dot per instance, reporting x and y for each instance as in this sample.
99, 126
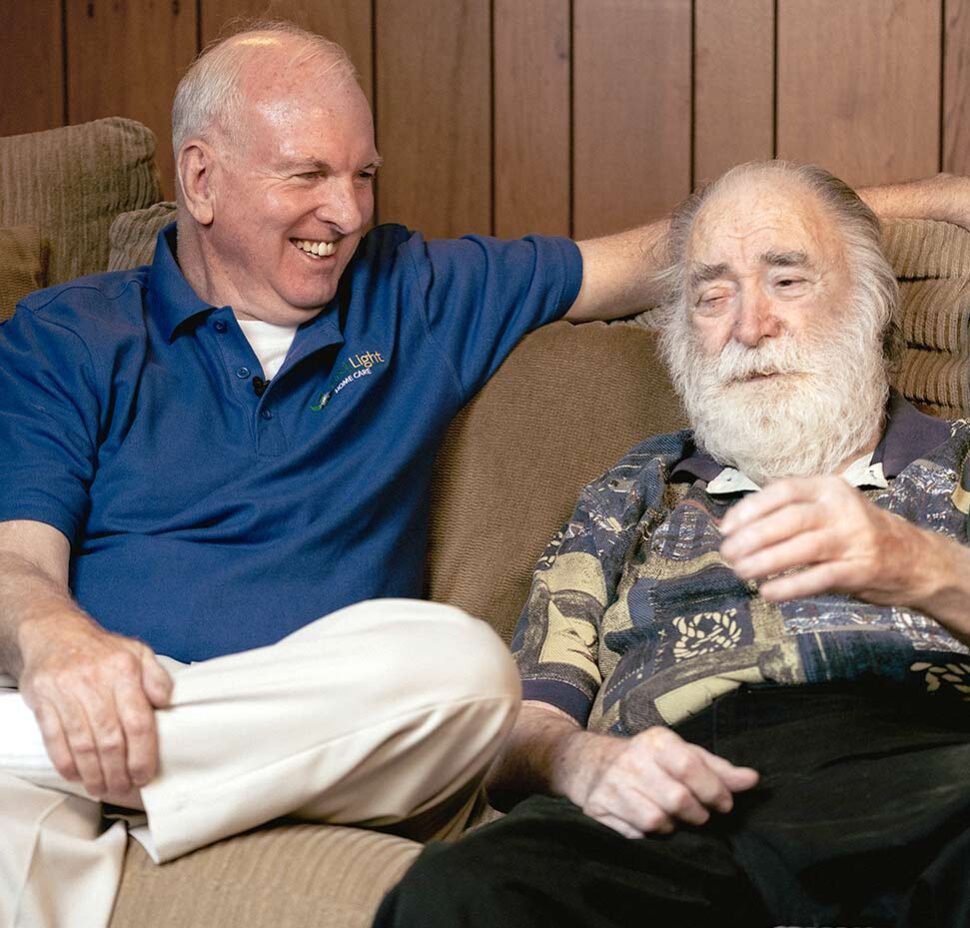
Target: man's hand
94, 695
833, 539
652, 782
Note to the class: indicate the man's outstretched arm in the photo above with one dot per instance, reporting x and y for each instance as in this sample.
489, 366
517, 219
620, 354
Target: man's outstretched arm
93, 693
619, 271
648, 783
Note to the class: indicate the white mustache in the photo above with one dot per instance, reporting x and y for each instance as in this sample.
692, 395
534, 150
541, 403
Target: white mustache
782, 355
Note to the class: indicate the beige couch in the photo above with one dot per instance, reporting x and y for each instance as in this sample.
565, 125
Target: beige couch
565, 405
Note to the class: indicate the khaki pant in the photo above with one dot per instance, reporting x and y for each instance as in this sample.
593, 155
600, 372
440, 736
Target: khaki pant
374, 715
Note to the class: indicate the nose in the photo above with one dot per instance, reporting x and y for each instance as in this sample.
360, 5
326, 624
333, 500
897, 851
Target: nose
756, 319
345, 205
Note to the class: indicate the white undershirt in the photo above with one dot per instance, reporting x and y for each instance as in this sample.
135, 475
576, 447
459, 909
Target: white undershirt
269, 343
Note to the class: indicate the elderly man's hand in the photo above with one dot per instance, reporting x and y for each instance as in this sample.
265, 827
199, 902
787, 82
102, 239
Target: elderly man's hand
93, 694
832, 538
652, 781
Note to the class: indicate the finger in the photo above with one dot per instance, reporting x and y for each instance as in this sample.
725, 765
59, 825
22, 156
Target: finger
618, 824
820, 578
111, 744
774, 496
55, 741
735, 778
637, 801
778, 526
696, 787
81, 743
141, 735
156, 680
804, 550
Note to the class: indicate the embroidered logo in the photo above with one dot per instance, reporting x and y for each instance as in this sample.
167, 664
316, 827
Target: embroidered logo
354, 368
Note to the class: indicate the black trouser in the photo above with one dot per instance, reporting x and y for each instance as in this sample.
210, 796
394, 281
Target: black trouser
862, 817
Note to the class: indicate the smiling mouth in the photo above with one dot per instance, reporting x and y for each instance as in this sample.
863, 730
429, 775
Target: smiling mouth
314, 248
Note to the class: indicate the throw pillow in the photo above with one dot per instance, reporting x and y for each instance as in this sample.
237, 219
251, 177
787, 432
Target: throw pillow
21, 266
133, 235
72, 182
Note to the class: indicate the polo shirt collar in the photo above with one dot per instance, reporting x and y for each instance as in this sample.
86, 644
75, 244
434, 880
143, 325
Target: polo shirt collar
173, 302
909, 434
172, 299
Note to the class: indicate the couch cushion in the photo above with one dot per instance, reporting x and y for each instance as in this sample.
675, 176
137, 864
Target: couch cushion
280, 876
72, 182
932, 262
566, 404
133, 235
21, 266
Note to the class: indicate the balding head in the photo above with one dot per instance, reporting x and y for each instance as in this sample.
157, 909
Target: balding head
211, 98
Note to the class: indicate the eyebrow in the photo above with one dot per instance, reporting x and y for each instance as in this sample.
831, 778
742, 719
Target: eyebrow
705, 273
317, 164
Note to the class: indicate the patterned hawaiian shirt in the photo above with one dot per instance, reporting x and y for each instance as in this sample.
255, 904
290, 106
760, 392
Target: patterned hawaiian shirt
634, 619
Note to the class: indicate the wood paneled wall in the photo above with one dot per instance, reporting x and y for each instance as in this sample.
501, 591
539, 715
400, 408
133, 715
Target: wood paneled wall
560, 116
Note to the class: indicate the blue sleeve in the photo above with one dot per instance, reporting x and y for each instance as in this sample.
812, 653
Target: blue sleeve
481, 295
49, 415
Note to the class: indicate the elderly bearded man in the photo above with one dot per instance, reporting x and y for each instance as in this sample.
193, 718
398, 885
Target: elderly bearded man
726, 686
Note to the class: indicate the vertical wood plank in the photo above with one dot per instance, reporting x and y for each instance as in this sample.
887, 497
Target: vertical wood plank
734, 59
631, 111
956, 88
125, 58
31, 67
346, 22
434, 115
532, 112
859, 86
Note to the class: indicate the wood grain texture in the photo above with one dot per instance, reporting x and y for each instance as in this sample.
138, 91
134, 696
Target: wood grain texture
734, 59
125, 58
347, 22
31, 67
434, 115
956, 88
859, 86
631, 111
532, 113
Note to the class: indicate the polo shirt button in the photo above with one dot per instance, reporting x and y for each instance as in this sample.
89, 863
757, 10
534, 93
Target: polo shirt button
242, 372
267, 413
220, 326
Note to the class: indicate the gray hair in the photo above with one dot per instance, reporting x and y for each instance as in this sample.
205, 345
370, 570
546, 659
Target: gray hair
875, 288
209, 95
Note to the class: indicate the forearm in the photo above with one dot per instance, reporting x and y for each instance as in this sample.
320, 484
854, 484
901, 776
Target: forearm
619, 273
543, 754
32, 604
943, 196
940, 582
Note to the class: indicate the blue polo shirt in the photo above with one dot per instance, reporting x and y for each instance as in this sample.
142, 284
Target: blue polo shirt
205, 519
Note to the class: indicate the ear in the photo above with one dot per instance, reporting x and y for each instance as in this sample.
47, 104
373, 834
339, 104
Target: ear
195, 168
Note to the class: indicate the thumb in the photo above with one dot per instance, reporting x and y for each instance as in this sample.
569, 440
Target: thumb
156, 680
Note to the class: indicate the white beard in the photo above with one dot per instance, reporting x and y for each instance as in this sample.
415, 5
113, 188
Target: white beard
823, 407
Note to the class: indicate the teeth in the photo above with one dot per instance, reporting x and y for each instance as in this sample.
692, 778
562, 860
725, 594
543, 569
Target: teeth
318, 249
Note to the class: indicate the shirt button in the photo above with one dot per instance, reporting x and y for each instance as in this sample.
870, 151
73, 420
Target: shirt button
220, 326
242, 372
267, 413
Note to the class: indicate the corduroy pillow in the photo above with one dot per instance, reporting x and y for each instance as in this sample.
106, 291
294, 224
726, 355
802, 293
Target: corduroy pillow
21, 266
932, 262
72, 182
133, 235
564, 407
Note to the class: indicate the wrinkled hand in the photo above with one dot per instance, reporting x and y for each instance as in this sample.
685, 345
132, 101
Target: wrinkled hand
93, 694
653, 781
832, 537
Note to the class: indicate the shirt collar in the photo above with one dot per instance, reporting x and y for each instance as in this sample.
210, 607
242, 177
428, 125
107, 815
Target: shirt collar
173, 301
908, 434
171, 297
